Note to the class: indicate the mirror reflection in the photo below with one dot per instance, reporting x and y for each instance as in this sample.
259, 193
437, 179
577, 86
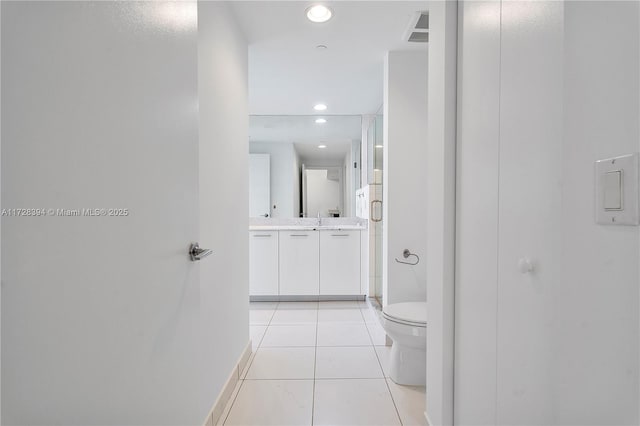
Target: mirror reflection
304, 166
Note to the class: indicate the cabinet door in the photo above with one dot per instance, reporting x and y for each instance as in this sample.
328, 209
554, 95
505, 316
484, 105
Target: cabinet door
340, 262
299, 265
263, 263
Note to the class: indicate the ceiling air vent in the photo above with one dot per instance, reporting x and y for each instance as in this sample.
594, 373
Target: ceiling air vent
418, 30
419, 37
423, 21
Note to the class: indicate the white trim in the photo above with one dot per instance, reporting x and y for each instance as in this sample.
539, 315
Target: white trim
229, 386
441, 193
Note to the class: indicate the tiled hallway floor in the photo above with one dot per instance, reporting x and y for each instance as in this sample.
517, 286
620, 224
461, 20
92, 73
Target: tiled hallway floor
321, 363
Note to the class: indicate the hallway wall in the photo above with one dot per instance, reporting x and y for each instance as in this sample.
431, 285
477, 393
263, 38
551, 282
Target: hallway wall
596, 300
405, 148
543, 96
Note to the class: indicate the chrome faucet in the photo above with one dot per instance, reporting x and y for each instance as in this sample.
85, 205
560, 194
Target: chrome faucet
319, 220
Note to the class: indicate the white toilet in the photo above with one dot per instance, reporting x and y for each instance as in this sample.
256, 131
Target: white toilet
406, 324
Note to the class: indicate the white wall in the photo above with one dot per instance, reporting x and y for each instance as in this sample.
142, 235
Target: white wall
100, 316
283, 160
224, 112
596, 325
405, 151
536, 111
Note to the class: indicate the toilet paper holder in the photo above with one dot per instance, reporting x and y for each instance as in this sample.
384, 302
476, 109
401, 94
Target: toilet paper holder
406, 254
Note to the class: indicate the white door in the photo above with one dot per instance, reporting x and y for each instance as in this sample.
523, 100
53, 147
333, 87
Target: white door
259, 185
100, 314
509, 175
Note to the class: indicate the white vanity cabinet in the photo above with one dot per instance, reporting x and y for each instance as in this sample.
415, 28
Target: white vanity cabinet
299, 265
339, 262
263, 263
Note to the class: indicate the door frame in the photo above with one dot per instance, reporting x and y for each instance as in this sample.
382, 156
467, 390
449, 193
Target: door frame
441, 210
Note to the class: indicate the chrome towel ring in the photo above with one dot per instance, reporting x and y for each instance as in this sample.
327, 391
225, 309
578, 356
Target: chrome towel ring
406, 254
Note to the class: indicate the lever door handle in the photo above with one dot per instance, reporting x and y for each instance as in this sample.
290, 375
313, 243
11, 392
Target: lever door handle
196, 253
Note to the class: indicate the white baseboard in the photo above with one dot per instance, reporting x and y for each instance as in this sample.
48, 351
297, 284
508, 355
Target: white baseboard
227, 389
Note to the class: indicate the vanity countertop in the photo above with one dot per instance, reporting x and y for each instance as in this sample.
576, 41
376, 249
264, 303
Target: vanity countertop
307, 228
308, 224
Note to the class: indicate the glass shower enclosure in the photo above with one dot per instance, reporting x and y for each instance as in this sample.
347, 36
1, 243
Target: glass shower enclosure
375, 149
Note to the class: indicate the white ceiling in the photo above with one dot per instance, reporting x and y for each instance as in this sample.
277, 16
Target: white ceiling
288, 74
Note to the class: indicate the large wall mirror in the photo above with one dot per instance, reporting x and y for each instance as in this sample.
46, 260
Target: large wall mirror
304, 166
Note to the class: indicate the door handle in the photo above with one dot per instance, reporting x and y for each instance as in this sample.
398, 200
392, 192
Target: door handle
373, 218
196, 253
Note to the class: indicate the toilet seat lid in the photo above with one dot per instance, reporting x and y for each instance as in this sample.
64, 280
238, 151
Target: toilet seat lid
413, 312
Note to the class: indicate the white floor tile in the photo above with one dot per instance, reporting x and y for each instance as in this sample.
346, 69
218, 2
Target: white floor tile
353, 402
256, 332
263, 306
410, 402
340, 315
283, 363
384, 353
342, 335
339, 304
260, 316
347, 363
295, 316
273, 402
297, 305
378, 335
289, 335
370, 315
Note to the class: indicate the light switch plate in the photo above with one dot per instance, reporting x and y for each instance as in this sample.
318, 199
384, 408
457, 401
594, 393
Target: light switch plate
617, 190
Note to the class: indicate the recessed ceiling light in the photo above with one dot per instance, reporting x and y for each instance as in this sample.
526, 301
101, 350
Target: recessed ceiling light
321, 46
320, 107
319, 13
321, 121
322, 146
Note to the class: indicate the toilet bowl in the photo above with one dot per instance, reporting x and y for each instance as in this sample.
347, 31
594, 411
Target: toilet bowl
406, 324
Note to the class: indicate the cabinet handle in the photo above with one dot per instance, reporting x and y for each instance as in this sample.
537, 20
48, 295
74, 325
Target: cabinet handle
298, 235
339, 235
262, 236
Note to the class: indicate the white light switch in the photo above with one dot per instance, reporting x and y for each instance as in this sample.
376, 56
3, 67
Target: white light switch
612, 187
617, 195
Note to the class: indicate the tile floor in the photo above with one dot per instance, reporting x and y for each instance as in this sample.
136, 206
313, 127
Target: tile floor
320, 363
